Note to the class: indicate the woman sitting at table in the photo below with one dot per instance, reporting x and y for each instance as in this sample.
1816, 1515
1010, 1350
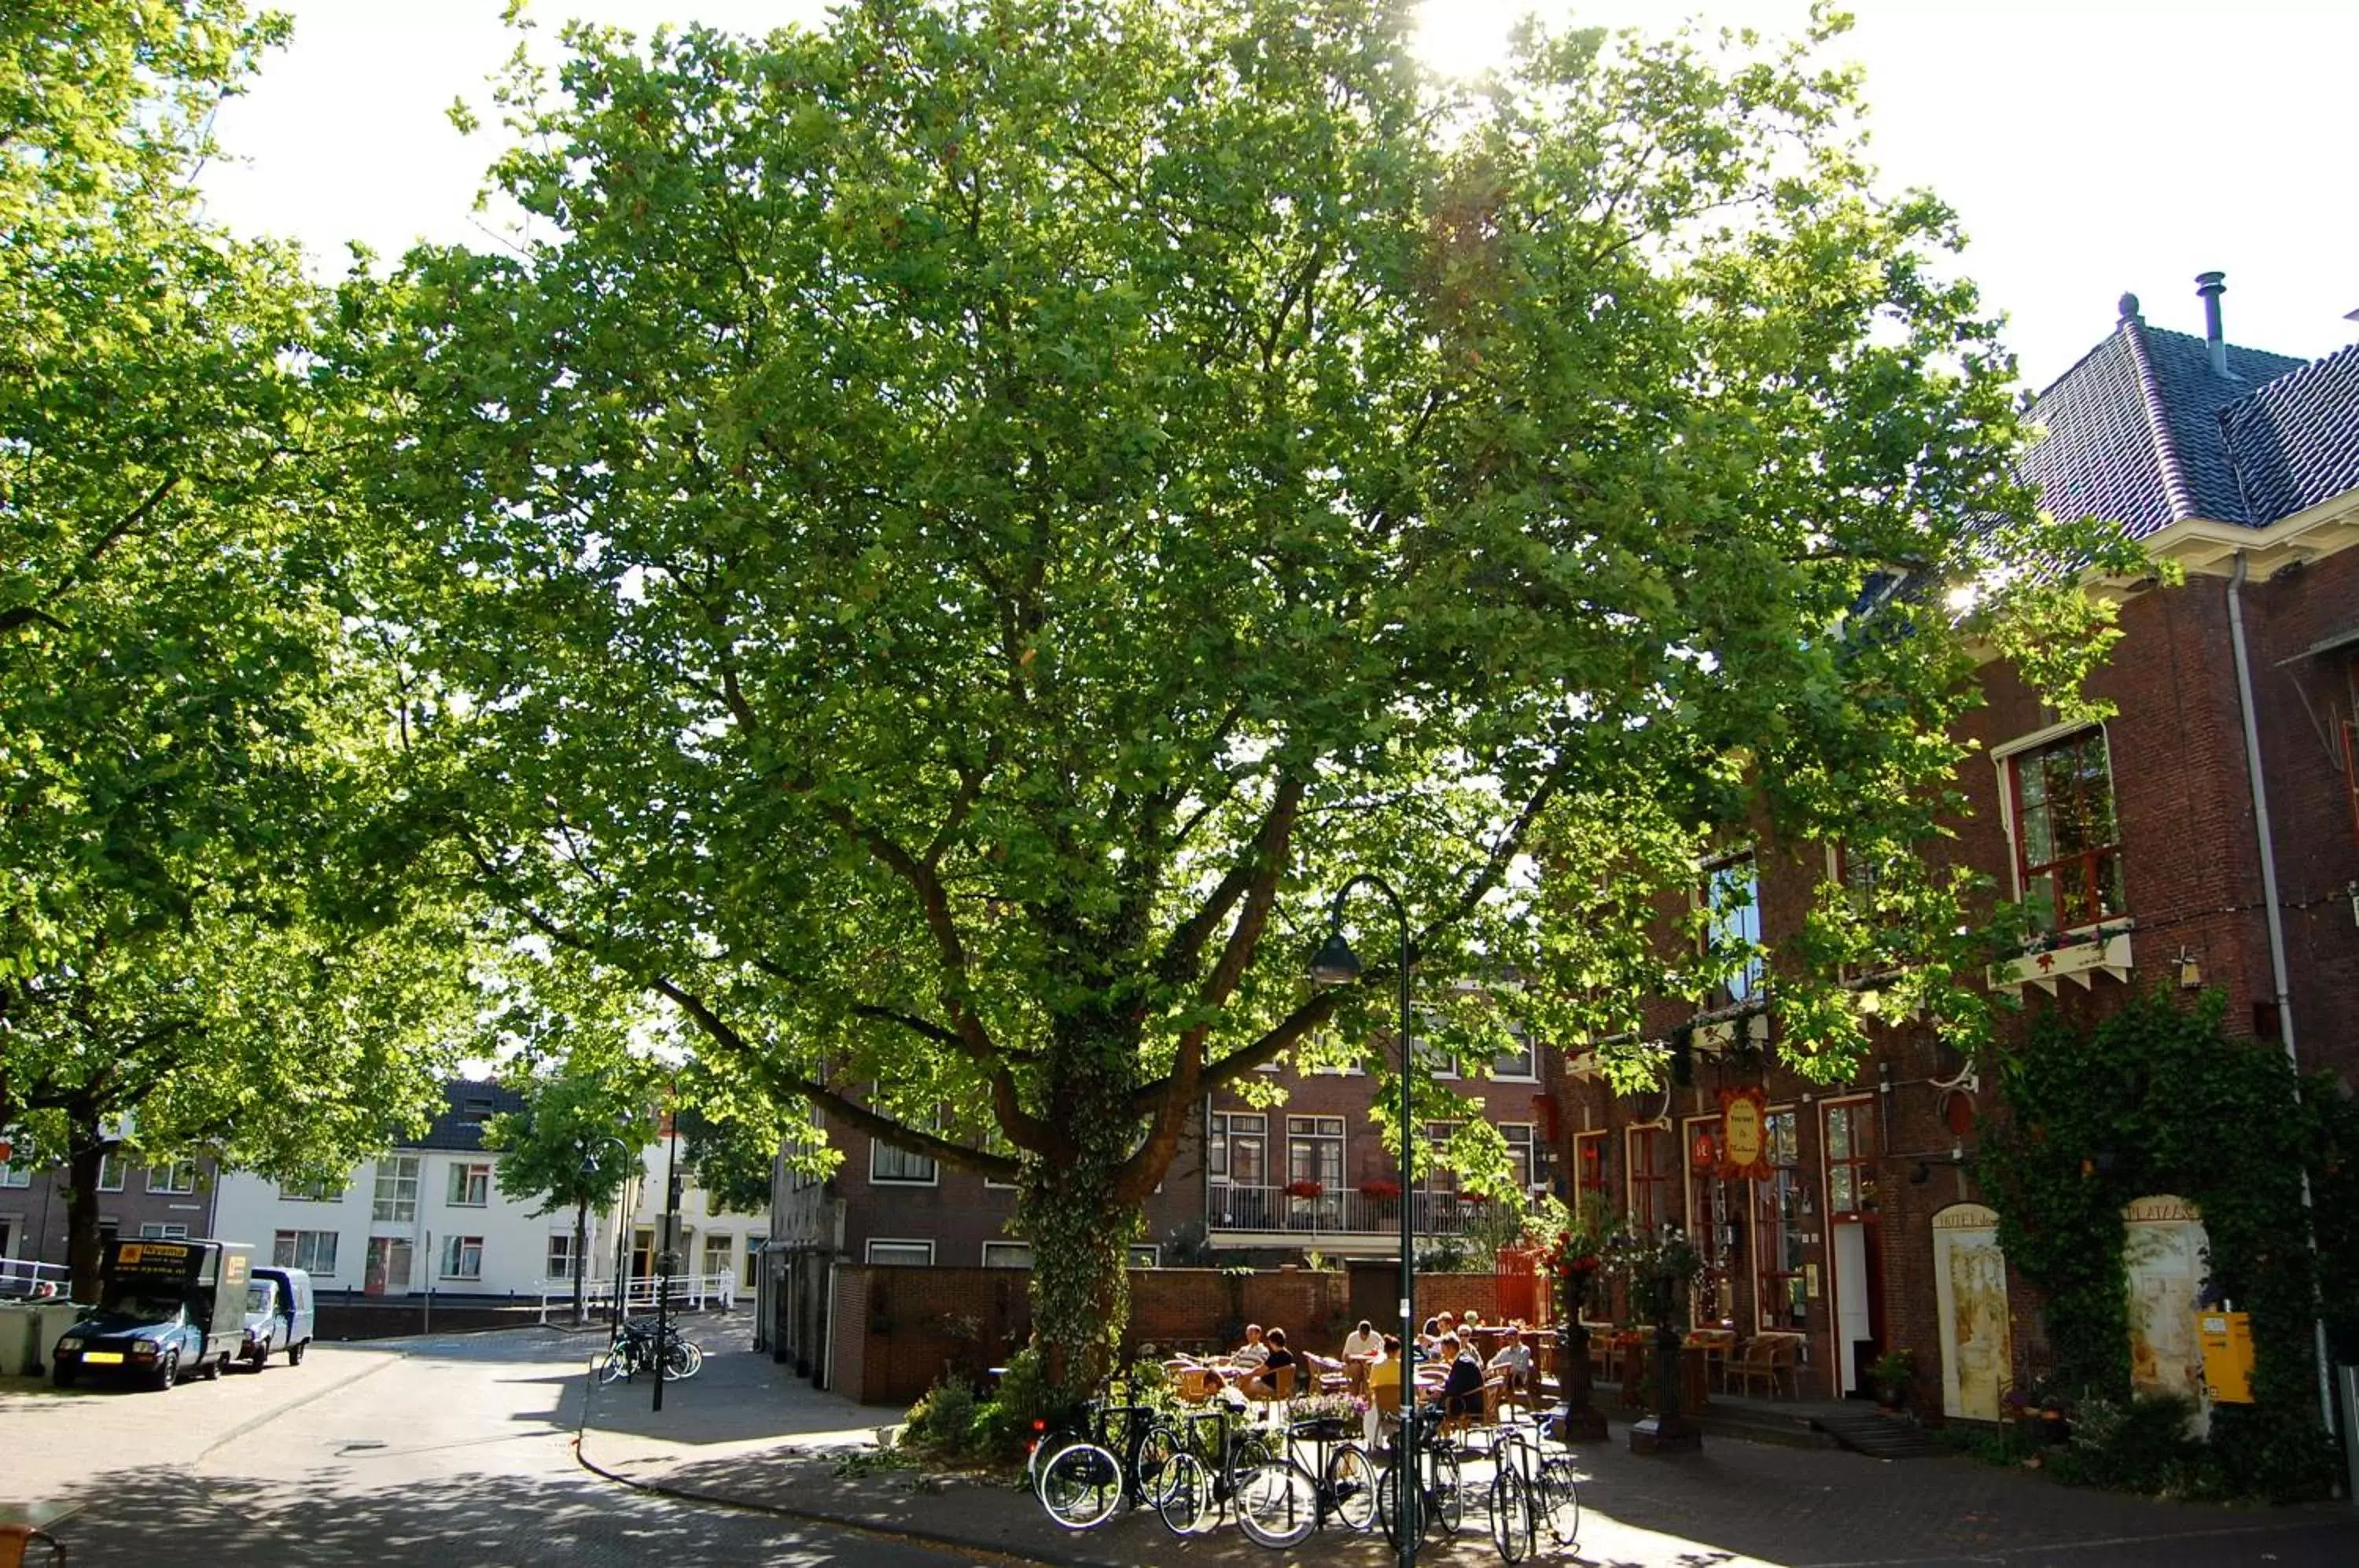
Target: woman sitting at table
1461, 1393
1362, 1344
1276, 1359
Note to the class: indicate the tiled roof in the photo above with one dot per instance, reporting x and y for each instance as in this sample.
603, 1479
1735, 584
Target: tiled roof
2134, 432
2296, 441
467, 1101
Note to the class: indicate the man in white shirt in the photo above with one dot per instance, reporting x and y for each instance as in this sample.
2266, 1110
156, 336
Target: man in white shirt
1514, 1359
1363, 1342
1253, 1353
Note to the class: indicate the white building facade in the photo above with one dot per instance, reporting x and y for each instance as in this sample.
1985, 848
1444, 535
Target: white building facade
429, 1216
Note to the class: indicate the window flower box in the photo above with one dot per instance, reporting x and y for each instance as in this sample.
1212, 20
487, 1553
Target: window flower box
2078, 956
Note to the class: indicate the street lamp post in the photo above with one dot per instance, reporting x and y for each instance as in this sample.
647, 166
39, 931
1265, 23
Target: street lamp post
1337, 965
668, 1258
580, 1241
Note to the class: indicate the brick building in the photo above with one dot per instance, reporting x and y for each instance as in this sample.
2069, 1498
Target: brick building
161, 1201
1258, 1184
2161, 845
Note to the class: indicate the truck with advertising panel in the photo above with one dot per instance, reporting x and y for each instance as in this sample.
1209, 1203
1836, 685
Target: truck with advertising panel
165, 1310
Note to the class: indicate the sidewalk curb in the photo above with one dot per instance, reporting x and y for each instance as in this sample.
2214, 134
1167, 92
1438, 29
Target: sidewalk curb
254, 1423
903, 1535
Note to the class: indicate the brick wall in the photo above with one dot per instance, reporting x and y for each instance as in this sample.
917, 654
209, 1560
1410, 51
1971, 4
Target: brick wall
898, 1331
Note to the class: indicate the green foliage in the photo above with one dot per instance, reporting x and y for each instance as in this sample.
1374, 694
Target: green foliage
955, 528
942, 1422
2142, 1104
212, 912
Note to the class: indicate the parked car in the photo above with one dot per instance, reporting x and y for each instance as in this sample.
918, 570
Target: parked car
296, 1307
164, 1308
266, 1325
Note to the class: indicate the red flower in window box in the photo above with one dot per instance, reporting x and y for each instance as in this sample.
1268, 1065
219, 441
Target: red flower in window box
1306, 1190
1380, 1191
1476, 1199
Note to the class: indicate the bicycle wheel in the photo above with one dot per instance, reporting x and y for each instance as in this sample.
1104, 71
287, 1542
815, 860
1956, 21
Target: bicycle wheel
1388, 1506
1558, 1501
1351, 1487
1082, 1485
695, 1358
676, 1363
1444, 1492
1044, 1448
1512, 1529
1189, 1505
1150, 1457
619, 1363
1278, 1504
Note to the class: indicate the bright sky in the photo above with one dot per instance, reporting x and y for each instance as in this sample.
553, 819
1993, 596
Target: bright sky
2090, 146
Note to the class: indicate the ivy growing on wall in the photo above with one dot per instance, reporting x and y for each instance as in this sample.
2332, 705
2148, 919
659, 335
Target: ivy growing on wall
2154, 1100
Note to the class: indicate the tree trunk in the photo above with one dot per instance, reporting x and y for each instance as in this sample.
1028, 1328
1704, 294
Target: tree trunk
580, 1246
1069, 1208
84, 1158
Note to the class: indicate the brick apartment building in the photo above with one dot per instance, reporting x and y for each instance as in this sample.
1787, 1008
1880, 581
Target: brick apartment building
162, 1201
2146, 833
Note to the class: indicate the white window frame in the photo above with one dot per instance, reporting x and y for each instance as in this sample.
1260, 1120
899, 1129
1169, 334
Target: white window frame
1747, 987
1151, 1251
163, 1230
395, 1170
1024, 1247
115, 1166
877, 1146
1531, 1069
300, 1255
869, 1256
749, 1269
453, 1263
728, 1241
1531, 1149
560, 1241
2002, 758
1218, 1147
170, 1186
464, 1175
18, 1170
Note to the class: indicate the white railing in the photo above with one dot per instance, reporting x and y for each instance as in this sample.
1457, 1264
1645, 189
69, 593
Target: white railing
689, 1293
1229, 1207
25, 1279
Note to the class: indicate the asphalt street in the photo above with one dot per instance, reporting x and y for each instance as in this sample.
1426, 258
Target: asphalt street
455, 1453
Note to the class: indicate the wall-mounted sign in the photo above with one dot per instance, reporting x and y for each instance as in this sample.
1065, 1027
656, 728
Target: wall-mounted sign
1702, 1152
1744, 1124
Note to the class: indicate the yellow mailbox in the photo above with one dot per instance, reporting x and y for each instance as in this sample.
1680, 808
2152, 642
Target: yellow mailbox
2227, 1341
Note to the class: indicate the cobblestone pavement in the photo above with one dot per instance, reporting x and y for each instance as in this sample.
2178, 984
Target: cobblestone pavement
455, 1453
1736, 1504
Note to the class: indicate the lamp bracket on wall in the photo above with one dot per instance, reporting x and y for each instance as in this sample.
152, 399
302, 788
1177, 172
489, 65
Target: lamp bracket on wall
1967, 1080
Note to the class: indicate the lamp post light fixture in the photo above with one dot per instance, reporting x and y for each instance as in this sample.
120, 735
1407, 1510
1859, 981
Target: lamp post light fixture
1336, 965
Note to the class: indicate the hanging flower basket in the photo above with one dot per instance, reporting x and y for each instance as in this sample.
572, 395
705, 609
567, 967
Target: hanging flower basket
1380, 1191
1306, 1190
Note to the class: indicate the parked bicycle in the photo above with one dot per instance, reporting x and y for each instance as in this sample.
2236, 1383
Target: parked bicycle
1216, 1447
1531, 1490
1437, 1494
1282, 1500
638, 1347
1121, 1456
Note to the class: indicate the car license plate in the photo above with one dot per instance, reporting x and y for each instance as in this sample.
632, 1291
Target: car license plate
102, 1357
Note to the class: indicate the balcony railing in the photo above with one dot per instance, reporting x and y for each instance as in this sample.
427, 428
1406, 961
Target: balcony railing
1271, 1210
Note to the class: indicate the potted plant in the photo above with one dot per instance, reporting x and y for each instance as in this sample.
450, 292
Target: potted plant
1328, 1418
1306, 1189
1894, 1375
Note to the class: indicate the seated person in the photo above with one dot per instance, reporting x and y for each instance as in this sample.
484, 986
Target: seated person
1255, 1351
1472, 1321
1362, 1344
1461, 1392
1275, 1358
1514, 1360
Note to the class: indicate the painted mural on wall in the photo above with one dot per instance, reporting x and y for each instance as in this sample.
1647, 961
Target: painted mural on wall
1969, 1289
2163, 1254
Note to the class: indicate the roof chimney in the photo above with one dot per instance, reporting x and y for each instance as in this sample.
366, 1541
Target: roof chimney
2210, 286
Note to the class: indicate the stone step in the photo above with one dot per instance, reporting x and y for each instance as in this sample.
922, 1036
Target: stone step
1762, 1426
1880, 1436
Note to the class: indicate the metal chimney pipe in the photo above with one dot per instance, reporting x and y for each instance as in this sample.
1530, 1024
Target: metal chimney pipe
2210, 286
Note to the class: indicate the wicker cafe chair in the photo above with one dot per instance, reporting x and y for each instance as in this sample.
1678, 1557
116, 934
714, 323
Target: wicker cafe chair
17, 1539
1766, 1357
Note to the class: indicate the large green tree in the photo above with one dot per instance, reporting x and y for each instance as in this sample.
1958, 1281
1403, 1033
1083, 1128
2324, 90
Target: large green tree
207, 941
949, 536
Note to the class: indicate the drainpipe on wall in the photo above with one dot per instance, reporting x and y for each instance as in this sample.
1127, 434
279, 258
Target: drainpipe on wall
2279, 986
